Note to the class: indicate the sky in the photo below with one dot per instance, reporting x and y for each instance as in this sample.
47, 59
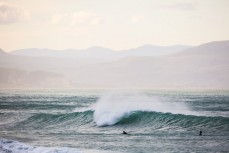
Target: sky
115, 24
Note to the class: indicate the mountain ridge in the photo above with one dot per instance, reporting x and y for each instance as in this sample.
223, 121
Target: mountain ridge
100, 52
184, 69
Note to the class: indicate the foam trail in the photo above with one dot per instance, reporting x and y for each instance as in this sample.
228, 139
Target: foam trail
12, 146
112, 107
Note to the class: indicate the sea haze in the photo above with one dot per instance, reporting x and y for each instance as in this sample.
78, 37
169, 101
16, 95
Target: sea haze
175, 67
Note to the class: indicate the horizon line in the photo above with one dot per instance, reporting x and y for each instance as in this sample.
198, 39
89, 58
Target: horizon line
109, 48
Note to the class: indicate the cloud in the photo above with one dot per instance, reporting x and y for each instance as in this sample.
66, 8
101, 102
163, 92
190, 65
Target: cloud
137, 18
77, 18
80, 18
188, 6
11, 14
58, 18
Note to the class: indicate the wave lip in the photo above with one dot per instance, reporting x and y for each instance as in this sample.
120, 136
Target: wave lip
110, 109
12, 146
128, 109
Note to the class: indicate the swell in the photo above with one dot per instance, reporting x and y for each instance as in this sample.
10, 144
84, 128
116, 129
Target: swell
136, 119
46, 120
158, 120
34, 106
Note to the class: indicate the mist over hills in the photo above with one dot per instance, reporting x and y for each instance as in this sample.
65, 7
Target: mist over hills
2, 53
100, 53
204, 66
15, 78
212, 48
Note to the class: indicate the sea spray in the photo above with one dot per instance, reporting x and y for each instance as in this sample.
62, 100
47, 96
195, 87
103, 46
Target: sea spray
112, 107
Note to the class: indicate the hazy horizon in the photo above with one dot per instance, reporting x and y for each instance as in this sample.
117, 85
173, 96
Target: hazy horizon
104, 47
199, 67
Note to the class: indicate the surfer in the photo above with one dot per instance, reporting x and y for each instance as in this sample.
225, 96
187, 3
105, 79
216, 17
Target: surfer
124, 132
200, 134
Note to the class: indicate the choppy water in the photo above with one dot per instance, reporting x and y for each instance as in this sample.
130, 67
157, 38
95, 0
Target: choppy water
92, 121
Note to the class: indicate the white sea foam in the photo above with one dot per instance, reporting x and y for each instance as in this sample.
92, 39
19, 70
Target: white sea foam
12, 146
112, 107
80, 110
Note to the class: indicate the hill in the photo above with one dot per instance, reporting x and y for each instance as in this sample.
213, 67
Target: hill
203, 66
15, 78
100, 53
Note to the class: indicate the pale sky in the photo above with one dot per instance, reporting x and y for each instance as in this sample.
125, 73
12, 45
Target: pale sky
116, 24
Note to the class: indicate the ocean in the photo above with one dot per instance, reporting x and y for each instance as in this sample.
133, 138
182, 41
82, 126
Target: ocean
92, 121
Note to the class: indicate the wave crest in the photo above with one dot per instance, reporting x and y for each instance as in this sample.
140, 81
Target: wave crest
111, 108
